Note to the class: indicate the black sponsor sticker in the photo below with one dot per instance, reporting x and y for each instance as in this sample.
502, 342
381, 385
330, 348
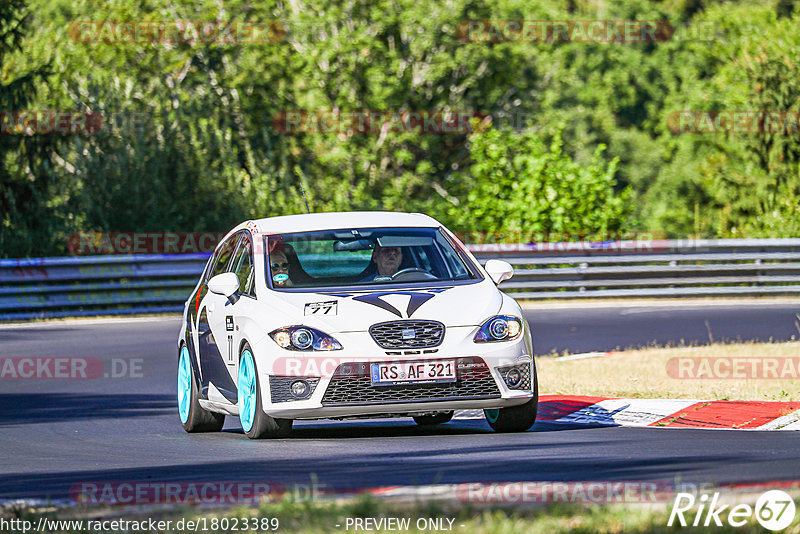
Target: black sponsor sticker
322, 308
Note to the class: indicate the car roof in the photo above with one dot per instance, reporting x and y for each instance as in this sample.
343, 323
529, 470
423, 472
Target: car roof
309, 222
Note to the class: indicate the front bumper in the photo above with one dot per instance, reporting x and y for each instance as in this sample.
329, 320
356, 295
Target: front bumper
480, 384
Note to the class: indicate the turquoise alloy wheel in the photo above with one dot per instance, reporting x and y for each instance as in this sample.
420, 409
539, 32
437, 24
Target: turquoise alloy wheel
492, 415
184, 385
246, 385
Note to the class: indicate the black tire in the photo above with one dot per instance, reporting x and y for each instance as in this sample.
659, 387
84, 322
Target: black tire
264, 426
516, 418
200, 419
436, 419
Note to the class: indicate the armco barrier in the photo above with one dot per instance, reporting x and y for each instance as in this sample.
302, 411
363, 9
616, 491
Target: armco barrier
664, 268
97, 285
112, 285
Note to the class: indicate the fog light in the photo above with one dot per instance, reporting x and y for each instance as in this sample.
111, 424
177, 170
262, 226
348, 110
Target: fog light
513, 377
300, 389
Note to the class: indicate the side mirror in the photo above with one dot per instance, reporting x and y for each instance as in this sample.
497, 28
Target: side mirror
499, 270
225, 284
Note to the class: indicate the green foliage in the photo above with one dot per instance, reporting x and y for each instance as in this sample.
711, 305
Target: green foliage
29, 205
735, 184
520, 184
189, 143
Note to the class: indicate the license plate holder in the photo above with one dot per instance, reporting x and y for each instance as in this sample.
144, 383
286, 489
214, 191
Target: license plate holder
406, 373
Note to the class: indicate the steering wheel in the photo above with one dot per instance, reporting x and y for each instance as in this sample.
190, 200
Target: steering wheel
402, 275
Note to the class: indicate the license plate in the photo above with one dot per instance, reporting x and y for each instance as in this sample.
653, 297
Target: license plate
395, 373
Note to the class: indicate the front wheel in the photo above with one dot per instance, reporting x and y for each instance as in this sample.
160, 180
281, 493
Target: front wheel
516, 418
194, 417
255, 423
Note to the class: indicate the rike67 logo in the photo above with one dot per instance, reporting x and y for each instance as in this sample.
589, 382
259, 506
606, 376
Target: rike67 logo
774, 510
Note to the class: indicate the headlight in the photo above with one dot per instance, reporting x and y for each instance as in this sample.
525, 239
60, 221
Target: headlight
499, 328
303, 338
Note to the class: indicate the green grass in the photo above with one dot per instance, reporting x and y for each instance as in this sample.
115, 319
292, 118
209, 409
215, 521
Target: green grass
644, 373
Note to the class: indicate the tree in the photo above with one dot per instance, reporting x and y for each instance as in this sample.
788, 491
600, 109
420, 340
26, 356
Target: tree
522, 185
27, 191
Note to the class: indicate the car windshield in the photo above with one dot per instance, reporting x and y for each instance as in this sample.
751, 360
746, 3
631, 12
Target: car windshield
364, 256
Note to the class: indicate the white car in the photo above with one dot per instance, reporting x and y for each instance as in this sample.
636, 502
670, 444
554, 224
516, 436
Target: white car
350, 315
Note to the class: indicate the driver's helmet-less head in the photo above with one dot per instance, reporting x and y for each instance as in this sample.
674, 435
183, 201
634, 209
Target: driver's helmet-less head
387, 259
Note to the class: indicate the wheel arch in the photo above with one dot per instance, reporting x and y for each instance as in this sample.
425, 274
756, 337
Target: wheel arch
242, 343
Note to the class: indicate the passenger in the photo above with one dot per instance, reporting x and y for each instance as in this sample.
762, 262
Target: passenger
279, 266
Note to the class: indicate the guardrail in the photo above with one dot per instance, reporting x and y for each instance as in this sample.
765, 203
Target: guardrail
97, 285
676, 268
148, 283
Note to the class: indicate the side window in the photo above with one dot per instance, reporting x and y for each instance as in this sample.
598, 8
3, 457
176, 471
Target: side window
242, 265
456, 268
457, 261
223, 256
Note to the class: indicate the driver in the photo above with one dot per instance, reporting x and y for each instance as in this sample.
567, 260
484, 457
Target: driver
387, 260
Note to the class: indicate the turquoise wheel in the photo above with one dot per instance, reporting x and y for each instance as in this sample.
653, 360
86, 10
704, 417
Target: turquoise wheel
184, 385
246, 385
255, 422
516, 418
194, 417
492, 415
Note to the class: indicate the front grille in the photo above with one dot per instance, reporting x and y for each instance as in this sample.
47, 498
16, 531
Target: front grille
524, 371
351, 385
398, 334
279, 387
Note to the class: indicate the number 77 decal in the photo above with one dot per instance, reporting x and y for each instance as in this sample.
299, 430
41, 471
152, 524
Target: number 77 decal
322, 308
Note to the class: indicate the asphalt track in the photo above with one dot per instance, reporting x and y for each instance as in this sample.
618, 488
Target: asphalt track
58, 434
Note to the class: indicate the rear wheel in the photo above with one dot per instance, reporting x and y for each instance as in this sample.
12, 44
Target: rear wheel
516, 418
194, 417
255, 423
435, 419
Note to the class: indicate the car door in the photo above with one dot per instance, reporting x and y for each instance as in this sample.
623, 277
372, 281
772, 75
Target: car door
215, 379
245, 308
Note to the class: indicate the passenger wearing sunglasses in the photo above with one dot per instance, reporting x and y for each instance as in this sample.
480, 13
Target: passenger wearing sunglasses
279, 266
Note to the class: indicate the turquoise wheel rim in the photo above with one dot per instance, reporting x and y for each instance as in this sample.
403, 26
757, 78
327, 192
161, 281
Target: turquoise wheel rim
492, 415
184, 385
246, 386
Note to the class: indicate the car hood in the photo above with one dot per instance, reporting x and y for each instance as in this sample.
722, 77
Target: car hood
350, 311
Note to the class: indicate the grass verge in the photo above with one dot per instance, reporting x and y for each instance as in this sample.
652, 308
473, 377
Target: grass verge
680, 373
